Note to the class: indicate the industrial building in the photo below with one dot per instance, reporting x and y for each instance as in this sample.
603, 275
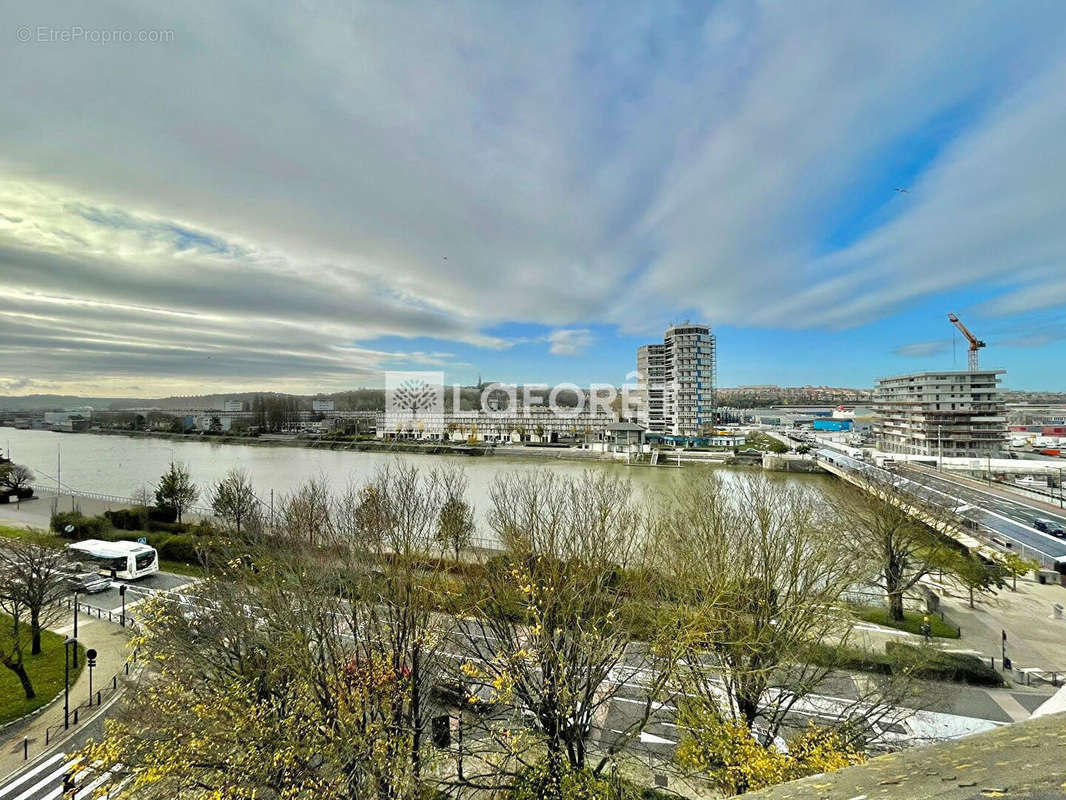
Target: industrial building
676, 381
958, 413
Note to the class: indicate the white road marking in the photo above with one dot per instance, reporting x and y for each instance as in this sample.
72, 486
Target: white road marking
39, 768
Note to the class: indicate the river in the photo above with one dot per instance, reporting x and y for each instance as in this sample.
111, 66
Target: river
120, 465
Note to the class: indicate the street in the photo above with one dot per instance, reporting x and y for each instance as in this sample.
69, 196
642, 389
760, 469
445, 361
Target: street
1011, 520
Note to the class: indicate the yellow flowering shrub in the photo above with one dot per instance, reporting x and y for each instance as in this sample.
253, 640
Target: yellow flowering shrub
736, 762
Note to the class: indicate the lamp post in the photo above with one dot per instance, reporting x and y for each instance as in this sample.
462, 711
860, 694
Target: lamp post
75, 635
90, 660
66, 679
122, 594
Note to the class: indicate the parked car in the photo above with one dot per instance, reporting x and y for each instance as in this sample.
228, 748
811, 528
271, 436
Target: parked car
88, 582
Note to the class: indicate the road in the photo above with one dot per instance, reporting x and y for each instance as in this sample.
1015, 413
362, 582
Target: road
1010, 520
111, 599
42, 778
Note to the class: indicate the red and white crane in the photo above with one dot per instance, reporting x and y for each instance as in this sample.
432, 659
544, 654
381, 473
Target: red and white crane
975, 343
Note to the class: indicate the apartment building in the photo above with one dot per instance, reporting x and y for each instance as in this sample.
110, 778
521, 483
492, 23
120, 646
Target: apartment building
676, 381
954, 414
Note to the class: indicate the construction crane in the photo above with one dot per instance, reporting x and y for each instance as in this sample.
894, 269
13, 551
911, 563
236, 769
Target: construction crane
975, 343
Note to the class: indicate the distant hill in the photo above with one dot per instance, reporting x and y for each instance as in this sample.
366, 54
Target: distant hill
356, 399
349, 400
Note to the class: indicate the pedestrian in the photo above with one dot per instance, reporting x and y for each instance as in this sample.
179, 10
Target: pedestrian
927, 629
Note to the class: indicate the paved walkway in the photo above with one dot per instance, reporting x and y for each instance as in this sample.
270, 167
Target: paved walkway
37, 512
1035, 637
109, 641
1026, 760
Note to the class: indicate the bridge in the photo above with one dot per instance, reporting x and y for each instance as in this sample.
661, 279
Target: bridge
984, 517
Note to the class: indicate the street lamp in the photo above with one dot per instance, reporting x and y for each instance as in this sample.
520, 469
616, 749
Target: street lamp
66, 678
75, 627
90, 659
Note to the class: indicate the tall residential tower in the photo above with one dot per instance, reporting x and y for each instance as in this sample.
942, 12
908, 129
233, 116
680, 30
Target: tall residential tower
676, 381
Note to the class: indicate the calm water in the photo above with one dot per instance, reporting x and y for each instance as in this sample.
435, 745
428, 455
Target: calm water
118, 465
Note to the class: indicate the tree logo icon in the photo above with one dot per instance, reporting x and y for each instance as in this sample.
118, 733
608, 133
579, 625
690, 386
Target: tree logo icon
414, 395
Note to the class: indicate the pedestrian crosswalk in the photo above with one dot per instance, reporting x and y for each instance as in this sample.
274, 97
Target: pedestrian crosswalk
55, 779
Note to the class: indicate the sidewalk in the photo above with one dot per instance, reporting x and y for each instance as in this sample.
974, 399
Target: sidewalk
37, 512
109, 641
1035, 638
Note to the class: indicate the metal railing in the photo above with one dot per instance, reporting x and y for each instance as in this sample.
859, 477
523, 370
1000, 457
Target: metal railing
96, 698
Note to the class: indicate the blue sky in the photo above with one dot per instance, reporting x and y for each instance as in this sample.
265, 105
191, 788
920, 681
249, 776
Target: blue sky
264, 198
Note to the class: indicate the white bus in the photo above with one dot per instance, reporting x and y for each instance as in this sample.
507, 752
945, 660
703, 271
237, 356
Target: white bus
127, 560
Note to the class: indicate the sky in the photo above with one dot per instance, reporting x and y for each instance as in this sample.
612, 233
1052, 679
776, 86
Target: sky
199, 197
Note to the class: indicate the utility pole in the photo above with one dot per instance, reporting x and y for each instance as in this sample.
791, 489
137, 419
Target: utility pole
939, 450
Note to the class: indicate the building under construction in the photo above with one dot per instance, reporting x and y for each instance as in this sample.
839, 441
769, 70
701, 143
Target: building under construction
943, 414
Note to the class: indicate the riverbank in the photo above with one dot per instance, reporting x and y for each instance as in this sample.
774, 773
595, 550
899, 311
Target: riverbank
371, 445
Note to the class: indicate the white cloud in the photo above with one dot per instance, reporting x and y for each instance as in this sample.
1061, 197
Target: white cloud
924, 349
288, 187
570, 341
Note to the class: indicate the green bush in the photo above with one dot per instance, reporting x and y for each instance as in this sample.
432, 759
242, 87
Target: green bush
202, 528
940, 666
534, 783
163, 514
128, 519
83, 527
157, 526
182, 547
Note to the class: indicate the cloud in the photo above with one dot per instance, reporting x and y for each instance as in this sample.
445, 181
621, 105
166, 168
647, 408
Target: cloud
570, 341
264, 196
923, 349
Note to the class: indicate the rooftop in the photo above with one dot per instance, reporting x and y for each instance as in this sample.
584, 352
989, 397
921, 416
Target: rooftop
1023, 760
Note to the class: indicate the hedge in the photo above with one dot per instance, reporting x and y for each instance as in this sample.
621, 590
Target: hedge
83, 527
128, 519
940, 666
165, 527
164, 514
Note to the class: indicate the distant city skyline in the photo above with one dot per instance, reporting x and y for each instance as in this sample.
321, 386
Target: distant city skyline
265, 199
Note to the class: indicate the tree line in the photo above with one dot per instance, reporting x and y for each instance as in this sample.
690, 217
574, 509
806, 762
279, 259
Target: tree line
357, 645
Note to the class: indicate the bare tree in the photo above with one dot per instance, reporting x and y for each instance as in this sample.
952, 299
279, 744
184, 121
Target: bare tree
16, 477
305, 667
233, 499
455, 524
143, 495
35, 576
12, 646
903, 536
305, 512
759, 577
549, 641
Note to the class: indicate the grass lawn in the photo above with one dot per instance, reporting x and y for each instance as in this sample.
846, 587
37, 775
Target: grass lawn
45, 671
912, 622
181, 568
32, 535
